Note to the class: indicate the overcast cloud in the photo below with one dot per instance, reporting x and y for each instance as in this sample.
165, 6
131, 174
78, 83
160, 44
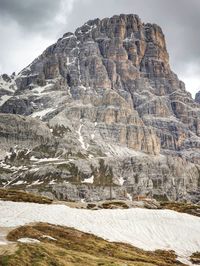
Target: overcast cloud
27, 27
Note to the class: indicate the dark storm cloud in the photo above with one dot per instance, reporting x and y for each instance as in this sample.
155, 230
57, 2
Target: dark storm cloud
27, 27
29, 14
46, 17
179, 19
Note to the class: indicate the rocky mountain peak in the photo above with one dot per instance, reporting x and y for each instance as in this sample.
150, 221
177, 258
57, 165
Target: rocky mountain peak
122, 38
113, 109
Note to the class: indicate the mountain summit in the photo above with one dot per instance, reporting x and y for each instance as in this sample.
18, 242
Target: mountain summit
101, 109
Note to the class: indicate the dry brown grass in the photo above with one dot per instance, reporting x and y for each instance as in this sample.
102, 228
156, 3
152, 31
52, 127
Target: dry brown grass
182, 207
73, 247
22, 196
195, 258
114, 205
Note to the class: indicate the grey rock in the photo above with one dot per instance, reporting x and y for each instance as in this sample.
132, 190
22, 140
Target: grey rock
105, 106
197, 97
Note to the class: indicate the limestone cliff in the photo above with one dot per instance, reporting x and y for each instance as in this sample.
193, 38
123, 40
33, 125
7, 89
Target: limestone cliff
110, 111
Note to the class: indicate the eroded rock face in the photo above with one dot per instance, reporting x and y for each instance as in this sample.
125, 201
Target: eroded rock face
197, 97
25, 132
107, 92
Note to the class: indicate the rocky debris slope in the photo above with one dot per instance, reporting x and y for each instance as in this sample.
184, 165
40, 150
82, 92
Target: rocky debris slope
115, 120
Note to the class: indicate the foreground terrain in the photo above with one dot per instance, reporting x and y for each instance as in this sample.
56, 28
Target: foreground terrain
143, 228
61, 246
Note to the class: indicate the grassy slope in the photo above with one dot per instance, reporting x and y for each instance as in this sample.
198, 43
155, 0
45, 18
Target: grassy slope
73, 247
182, 207
76, 248
18, 195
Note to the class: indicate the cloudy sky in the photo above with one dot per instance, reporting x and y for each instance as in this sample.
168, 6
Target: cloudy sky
27, 27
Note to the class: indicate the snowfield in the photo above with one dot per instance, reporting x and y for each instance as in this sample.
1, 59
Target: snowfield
146, 229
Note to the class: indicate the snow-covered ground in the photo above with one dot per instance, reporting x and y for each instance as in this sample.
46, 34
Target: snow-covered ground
81, 139
4, 98
88, 180
28, 240
42, 113
146, 229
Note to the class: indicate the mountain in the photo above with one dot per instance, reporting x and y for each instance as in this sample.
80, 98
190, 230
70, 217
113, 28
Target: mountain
100, 114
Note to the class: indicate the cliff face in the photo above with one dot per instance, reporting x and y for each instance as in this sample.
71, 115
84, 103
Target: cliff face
197, 97
115, 113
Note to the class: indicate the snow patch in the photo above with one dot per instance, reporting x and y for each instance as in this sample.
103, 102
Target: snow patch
69, 62
37, 182
34, 169
28, 240
42, 113
33, 158
81, 140
129, 197
89, 180
49, 237
4, 99
68, 37
128, 40
48, 160
121, 181
28, 151
36, 160
52, 182
83, 87
143, 228
20, 182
